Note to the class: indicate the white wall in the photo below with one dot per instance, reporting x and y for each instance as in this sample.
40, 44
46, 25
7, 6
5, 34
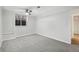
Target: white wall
0, 18
0, 25
10, 31
56, 26
7, 25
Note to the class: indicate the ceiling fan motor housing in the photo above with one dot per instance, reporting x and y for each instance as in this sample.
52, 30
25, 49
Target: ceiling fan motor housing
27, 10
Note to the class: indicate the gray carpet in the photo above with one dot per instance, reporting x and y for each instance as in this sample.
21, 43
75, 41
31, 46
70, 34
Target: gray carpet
37, 43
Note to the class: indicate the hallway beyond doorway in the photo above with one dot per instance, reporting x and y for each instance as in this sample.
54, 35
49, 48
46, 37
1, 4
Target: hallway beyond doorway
75, 39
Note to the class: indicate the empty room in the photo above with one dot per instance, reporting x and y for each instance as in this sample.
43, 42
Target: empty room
39, 28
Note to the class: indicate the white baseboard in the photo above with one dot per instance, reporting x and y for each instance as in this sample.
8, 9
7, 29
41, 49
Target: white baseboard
54, 38
13, 36
25, 35
8, 36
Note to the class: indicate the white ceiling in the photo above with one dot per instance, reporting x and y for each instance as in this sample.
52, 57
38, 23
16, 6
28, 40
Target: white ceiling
44, 10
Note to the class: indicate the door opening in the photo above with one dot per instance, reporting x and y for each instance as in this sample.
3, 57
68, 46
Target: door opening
75, 28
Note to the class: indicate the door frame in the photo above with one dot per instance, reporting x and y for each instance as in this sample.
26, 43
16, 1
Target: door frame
72, 25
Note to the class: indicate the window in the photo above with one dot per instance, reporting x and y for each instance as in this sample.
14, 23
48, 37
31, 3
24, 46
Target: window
20, 20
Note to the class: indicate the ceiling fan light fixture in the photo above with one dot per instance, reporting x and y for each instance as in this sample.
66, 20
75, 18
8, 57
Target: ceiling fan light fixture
27, 13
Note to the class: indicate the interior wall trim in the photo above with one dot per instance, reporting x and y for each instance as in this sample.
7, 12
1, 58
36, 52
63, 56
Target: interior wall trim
6, 33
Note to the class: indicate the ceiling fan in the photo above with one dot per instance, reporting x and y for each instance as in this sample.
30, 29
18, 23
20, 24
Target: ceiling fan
28, 11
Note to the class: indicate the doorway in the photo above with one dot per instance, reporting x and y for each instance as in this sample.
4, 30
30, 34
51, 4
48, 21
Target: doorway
75, 25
